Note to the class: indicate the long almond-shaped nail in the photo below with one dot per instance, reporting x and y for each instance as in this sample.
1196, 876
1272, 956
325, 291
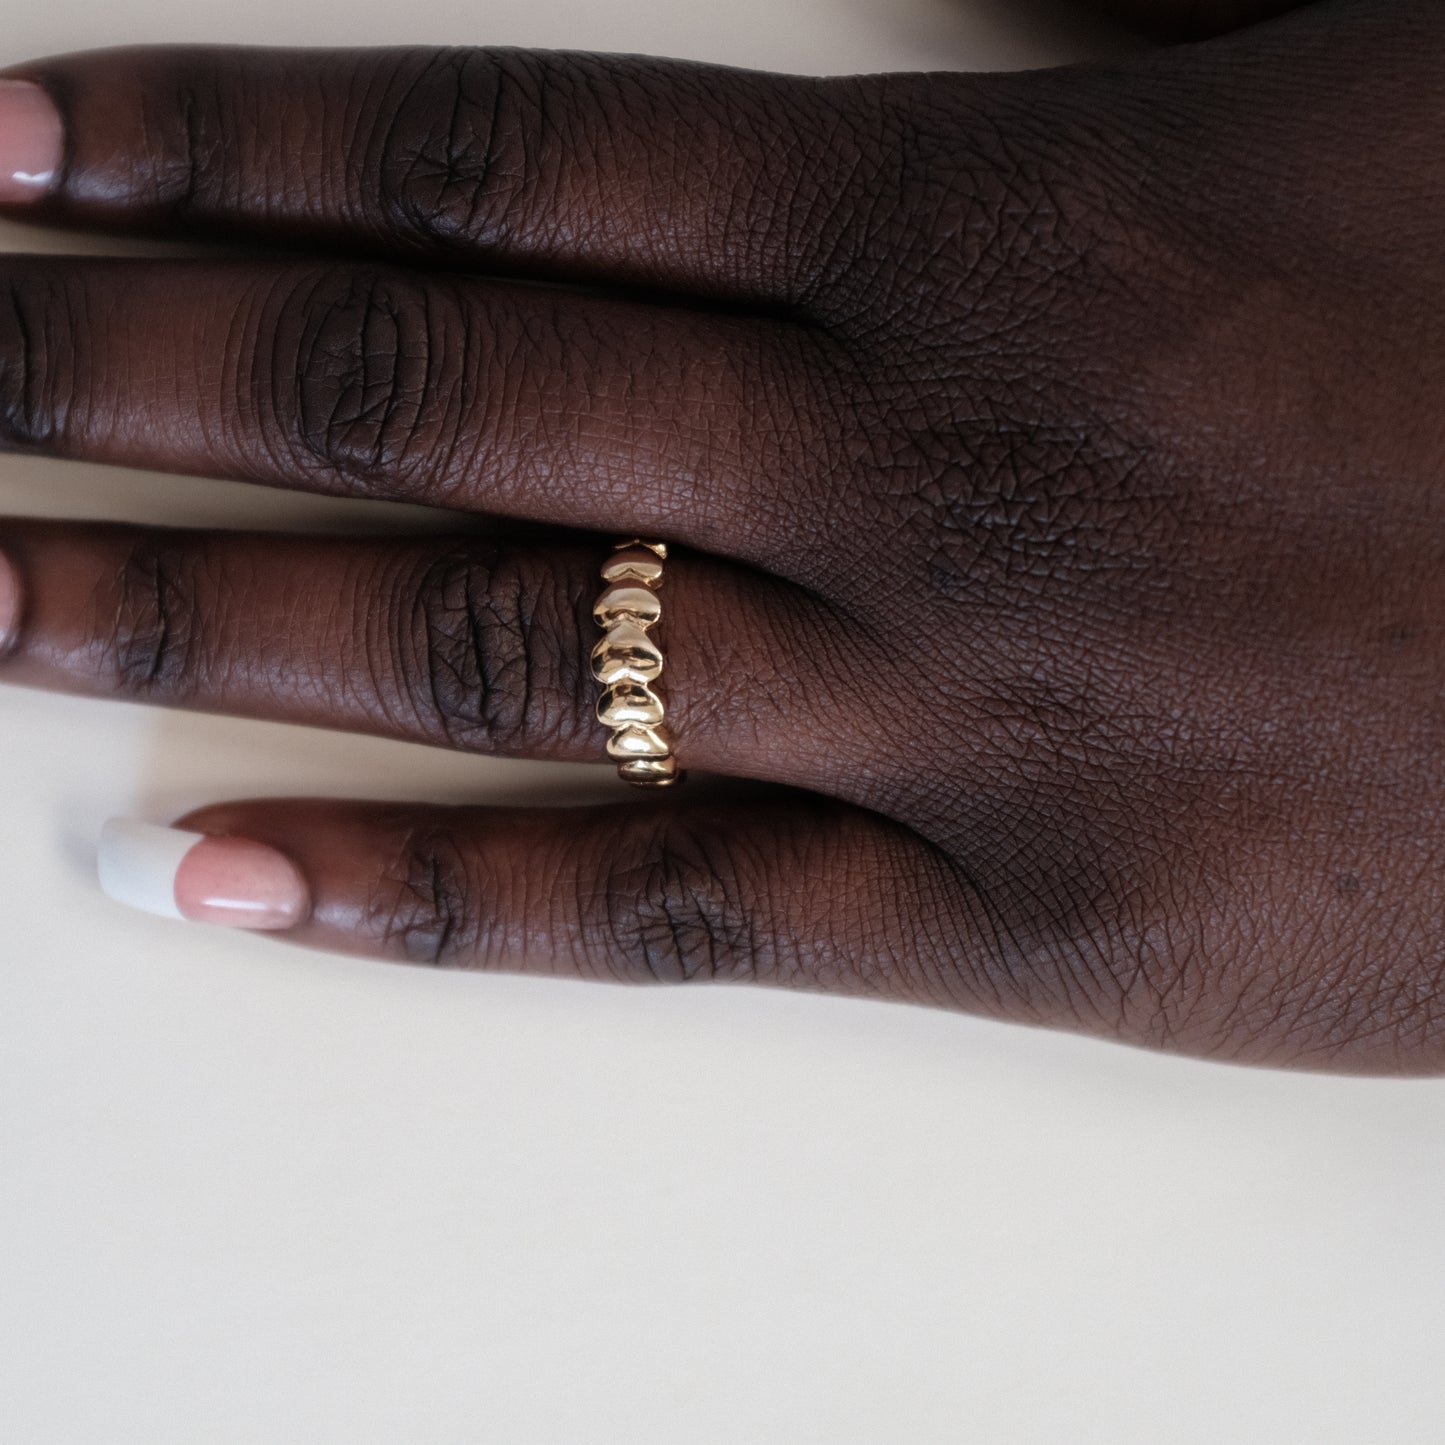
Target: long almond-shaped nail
178, 874
9, 602
32, 139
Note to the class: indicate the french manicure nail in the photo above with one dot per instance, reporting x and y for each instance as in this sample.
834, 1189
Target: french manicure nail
31, 141
9, 602
179, 874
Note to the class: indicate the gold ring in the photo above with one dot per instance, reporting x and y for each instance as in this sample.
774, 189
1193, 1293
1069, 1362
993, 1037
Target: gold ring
628, 662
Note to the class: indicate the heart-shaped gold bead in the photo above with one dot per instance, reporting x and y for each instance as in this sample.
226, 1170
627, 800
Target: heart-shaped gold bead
638, 742
629, 702
626, 654
623, 602
633, 564
658, 549
655, 772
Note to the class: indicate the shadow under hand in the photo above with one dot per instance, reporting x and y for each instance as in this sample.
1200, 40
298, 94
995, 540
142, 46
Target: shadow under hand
1180, 20
1003, 34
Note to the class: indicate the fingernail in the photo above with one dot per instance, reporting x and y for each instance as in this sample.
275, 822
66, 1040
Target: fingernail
31, 141
177, 874
9, 602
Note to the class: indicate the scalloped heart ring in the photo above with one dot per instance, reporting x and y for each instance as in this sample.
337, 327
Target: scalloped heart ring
628, 662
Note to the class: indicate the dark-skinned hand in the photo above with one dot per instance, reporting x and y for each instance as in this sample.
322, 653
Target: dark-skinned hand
1052, 465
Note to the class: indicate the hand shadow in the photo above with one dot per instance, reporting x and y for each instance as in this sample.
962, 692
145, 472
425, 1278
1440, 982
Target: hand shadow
1003, 34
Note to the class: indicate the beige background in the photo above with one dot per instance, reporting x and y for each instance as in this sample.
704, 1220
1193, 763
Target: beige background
254, 1195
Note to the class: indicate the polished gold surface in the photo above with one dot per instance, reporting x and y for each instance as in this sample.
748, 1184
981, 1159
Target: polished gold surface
628, 662
626, 654
634, 741
627, 602
658, 549
633, 564
629, 702
650, 772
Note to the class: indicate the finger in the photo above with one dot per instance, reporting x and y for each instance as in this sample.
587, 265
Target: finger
622, 169
780, 888
465, 644
578, 410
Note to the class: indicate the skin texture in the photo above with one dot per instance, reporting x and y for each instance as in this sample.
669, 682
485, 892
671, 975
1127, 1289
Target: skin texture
1053, 461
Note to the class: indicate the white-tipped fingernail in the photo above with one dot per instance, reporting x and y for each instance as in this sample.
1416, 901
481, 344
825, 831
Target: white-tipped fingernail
178, 874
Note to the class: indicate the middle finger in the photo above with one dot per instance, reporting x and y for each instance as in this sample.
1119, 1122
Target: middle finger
530, 401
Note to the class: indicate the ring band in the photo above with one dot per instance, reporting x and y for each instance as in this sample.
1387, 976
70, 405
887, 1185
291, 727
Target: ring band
628, 662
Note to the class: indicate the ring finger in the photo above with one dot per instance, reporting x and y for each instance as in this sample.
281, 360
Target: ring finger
466, 643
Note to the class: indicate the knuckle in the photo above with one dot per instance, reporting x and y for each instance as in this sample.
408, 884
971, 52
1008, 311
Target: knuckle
1054, 890
150, 644
1039, 267
493, 652
426, 905
671, 908
459, 148
1013, 517
1017, 212
192, 158
373, 360
475, 139
38, 330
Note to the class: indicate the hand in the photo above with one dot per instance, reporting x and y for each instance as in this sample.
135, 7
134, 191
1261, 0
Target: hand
1053, 463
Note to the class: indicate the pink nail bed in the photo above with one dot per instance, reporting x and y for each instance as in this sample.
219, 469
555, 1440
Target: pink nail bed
32, 140
241, 884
